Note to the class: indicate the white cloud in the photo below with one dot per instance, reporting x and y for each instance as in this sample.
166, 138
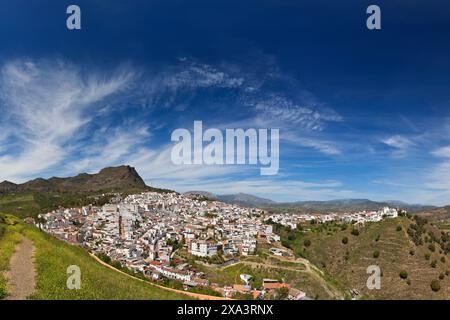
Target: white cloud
326, 147
48, 108
398, 142
440, 177
44, 104
156, 165
276, 189
110, 147
442, 152
280, 109
196, 75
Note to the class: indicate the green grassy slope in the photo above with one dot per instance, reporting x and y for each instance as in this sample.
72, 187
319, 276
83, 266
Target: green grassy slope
25, 204
54, 256
9, 238
20, 204
384, 244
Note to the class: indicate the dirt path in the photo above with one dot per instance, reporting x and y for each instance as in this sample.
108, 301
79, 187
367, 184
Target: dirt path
22, 274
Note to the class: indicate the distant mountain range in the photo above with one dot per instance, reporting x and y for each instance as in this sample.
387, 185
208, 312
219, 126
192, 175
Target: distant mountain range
353, 204
126, 179
330, 205
239, 198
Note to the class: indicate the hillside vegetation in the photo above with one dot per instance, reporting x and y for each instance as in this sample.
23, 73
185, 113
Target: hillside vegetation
112, 179
52, 259
31, 204
43, 195
411, 253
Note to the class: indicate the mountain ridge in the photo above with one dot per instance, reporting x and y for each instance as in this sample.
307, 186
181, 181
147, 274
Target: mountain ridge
111, 178
307, 205
125, 178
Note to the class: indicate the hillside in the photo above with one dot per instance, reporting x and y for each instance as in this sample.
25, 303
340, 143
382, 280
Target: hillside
108, 179
238, 198
52, 259
441, 214
345, 205
420, 249
43, 195
245, 200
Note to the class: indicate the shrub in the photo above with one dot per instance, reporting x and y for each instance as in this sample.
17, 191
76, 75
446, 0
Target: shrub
441, 276
307, 242
286, 243
403, 274
399, 228
432, 247
344, 240
411, 252
443, 259
2, 290
427, 256
433, 263
435, 285
242, 296
377, 238
355, 232
376, 254
116, 264
447, 273
104, 257
282, 293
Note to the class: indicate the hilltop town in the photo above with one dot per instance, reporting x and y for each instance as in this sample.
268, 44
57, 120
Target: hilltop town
145, 232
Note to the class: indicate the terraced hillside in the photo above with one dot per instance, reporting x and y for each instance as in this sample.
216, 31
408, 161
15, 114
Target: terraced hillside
299, 273
410, 253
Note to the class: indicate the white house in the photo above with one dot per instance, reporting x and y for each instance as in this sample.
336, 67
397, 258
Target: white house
203, 248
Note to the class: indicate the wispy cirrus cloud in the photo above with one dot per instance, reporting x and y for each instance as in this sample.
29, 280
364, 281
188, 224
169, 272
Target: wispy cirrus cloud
442, 152
283, 110
110, 146
400, 144
195, 75
439, 176
44, 104
279, 189
62, 119
321, 145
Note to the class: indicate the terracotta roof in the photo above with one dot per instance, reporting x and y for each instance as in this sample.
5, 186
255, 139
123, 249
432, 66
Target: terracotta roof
256, 294
241, 288
274, 286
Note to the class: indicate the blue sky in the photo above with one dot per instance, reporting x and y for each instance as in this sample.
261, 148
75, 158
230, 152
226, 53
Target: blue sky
362, 114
